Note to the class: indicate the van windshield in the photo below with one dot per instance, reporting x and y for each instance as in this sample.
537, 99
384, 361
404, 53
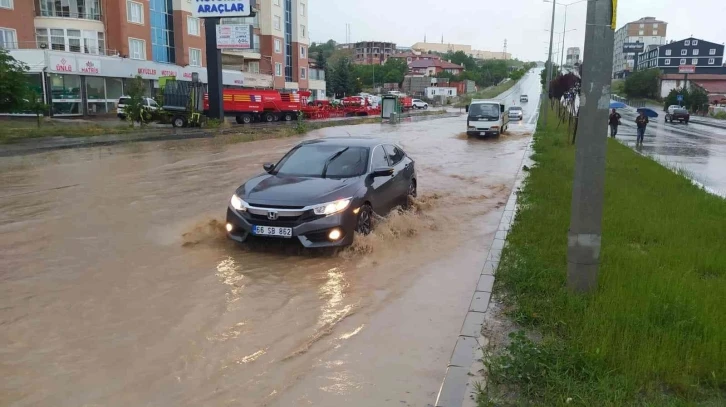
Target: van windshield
490, 111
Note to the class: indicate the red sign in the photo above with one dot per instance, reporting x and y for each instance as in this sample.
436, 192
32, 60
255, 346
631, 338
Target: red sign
687, 69
168, 73
64, 66
147, 71
90, 67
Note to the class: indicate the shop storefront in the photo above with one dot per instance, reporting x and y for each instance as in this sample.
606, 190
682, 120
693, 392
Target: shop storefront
82, 84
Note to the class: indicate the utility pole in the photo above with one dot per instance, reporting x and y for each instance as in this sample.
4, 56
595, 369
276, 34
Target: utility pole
549, 63
564, 31
588, 189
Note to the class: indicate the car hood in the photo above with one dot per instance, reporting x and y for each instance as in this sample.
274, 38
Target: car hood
269, 189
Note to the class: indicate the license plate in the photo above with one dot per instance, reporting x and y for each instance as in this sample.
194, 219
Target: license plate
272, 231
482, 133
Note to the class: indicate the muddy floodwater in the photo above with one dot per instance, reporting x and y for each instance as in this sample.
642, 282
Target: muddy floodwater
118, 287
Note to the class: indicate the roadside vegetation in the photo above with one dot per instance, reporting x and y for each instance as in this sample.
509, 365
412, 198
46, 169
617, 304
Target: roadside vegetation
654, 333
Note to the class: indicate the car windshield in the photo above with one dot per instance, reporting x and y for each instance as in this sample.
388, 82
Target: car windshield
310, 160
484, 110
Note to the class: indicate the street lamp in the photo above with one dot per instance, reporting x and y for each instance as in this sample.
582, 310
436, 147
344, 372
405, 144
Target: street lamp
564, 27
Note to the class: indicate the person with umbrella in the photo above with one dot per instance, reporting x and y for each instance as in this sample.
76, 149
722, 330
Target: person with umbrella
614, 122
641, 121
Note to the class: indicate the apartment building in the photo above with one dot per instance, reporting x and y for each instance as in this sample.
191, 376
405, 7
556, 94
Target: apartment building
573, 56
372, 52
443, 48
81, 53
647, 31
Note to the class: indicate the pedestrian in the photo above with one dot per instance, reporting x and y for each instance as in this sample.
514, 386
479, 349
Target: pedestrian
614, 122
641, 121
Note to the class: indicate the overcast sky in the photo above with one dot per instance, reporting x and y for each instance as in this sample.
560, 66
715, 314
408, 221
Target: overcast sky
484, 24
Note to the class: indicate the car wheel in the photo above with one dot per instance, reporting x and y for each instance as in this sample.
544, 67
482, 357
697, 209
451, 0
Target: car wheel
269, 117
246, 119
364, 225
179, 121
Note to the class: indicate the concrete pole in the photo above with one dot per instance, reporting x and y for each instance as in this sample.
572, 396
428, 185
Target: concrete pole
564, 31
549, 63
588, 189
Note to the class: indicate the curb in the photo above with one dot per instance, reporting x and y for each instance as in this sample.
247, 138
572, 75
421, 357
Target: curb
463, 367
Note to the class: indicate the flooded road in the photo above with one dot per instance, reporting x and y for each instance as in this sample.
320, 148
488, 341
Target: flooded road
699, 149
118, 287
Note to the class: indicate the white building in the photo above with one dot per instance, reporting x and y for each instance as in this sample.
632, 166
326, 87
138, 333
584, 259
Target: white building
647, 31
434, 91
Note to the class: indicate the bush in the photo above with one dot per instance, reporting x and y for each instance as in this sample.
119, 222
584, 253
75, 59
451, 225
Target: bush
643, 84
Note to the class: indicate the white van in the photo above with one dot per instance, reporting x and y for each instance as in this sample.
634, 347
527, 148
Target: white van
486, 117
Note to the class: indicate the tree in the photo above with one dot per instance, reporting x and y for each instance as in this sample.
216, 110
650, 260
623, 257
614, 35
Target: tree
14, 91
694, 99
643, 84
135, 110
320, 60
543, 75
36, 105
342, 81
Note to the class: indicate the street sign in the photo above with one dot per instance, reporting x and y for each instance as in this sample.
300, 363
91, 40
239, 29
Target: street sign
679, 98
234, 36
630, 47
221, 8
687, 69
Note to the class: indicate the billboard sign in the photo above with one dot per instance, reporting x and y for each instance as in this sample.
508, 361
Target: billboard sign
221, 8
234, 36
630, 47
687, 69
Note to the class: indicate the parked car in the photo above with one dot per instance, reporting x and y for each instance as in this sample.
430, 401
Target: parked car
678, 114
671, 108
523, 98
516, 112
420, 104
149, 104
322, 192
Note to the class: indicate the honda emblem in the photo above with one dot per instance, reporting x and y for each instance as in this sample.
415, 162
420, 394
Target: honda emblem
272, 215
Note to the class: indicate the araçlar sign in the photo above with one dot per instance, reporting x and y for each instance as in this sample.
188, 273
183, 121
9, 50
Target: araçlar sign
221, 8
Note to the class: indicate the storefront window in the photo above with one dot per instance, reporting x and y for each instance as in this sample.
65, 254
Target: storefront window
114, 88
95, 88
66, 94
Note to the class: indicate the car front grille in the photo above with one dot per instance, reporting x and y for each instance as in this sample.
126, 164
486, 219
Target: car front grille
281, 221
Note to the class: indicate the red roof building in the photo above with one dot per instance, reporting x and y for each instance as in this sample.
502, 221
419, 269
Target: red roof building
410, 57
433, 67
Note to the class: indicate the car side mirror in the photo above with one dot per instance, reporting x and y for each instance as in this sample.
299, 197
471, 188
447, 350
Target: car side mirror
268, 167
467, 108
382, 172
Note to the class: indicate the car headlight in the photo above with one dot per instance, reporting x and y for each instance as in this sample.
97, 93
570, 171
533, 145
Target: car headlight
332, 207
472, 128
238, 203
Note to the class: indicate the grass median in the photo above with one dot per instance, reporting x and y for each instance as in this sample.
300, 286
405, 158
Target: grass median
654, 333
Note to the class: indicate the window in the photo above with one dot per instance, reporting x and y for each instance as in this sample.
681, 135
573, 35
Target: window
193, 26
694, 42
302, 52
687, 42
395, 155
684, 52
683, 61
379, 159
668, 61
655, 26
6, 4
694, 61
303, 73
8, 38
195, 57
711, 61
134, 12
137, 48
302, 9
667, 52
695, 52
712, 51
253, 67
642, 26
277, 22
302, 31
277, 2
278, 69
312, 160
83, 41
641, 32
278, 46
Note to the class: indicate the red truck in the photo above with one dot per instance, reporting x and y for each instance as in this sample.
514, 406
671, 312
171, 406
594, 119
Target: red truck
250, 105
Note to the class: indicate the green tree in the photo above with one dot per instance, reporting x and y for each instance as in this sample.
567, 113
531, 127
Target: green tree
694, 99
342, 81
643, 84
36, 105
135, 110
321, 61
14, 90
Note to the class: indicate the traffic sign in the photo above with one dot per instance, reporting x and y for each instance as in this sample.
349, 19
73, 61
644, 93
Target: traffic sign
221, 8
679, 98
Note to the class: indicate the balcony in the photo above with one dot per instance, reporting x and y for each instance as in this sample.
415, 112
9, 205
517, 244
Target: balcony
88, 47
68, 14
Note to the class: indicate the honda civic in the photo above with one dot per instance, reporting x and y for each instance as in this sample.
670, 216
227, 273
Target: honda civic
322, 192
